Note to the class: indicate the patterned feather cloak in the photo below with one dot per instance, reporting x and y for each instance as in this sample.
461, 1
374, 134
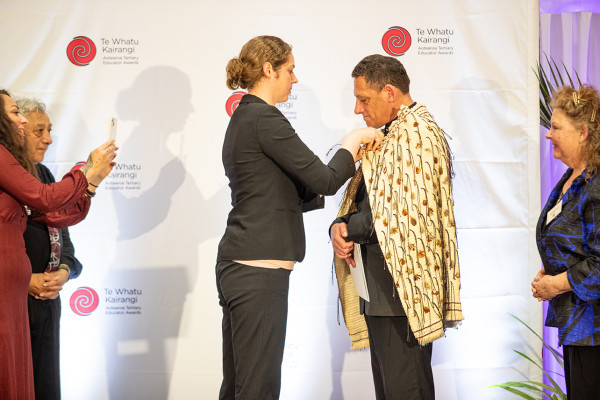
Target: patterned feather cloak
408, 182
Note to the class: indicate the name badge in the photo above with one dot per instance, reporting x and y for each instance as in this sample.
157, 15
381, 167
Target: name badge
553, 213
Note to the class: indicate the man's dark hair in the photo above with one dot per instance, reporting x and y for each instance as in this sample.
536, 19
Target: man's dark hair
380, 70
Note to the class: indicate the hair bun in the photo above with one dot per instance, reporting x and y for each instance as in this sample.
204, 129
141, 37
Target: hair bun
234, 70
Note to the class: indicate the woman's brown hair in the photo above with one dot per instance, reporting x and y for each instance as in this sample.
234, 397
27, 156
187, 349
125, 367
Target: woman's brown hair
246, 70
11, 140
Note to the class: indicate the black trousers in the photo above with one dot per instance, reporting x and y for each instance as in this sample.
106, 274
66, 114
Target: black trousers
582, 367
255, 304
401, 368
44, 325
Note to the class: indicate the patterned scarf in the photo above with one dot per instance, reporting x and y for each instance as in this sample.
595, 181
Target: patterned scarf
410, 194
55, 250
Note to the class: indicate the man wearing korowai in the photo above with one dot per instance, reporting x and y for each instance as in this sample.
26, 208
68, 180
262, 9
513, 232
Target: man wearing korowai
399, 209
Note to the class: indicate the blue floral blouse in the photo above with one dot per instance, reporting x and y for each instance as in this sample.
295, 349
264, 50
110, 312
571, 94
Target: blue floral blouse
571, 242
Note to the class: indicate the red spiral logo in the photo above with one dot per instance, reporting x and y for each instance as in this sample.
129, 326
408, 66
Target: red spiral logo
78, 165
84, 301
233, 101
396, 41
81, 51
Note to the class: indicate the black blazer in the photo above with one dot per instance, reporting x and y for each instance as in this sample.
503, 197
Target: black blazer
271, 174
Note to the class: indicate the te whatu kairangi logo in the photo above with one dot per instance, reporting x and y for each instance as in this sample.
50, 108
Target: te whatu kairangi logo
233, 101
84, 301
81, 51
396, 41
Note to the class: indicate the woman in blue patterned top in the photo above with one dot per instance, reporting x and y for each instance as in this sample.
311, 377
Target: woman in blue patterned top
568, 239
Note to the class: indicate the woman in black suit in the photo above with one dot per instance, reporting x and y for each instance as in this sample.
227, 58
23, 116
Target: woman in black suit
273, 177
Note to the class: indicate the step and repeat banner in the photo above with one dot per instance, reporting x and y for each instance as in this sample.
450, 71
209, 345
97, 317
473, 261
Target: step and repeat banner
142, 321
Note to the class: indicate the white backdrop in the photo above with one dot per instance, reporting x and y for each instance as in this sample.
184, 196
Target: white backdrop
149, 244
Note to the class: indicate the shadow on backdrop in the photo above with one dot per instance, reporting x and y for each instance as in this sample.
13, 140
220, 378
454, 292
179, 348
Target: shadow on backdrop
161, 223
307, 119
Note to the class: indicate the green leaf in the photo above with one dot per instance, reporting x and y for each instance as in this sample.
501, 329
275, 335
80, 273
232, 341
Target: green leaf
578, 80
532, 386
547, 387
557, 71
518, 392
526, 384
568, 75
547, 87
559, 358
537, 386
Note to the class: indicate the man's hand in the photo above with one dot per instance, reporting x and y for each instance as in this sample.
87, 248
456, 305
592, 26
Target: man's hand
47, 285
342, 248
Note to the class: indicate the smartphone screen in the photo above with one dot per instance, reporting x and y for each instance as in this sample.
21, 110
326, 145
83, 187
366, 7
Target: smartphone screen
112, 128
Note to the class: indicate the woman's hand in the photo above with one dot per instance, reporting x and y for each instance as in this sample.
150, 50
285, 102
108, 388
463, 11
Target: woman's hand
100, 162
546, 287
370, 137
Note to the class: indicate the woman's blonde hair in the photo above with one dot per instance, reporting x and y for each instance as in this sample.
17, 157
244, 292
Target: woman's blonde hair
246, 70
583, 108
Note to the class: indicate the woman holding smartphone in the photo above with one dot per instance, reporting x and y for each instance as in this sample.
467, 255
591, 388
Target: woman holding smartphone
22, 196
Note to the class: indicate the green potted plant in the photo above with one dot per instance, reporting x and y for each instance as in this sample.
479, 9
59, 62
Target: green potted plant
526, 389
547, 87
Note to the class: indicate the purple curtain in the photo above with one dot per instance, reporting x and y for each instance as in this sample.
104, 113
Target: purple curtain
569, 34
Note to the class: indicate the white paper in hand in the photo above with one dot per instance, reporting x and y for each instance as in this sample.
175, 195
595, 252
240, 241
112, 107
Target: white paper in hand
358, 274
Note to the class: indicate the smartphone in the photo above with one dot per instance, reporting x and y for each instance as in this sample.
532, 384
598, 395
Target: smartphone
112, 128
